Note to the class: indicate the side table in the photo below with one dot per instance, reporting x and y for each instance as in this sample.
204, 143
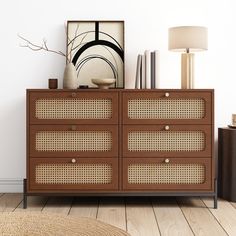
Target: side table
227, 163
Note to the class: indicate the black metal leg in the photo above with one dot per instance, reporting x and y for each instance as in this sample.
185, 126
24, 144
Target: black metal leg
25, 194
215, 196
215, 202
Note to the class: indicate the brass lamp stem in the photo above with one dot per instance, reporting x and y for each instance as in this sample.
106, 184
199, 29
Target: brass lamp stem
187, 70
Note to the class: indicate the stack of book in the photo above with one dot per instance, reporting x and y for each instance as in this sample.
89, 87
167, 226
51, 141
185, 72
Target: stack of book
147, 70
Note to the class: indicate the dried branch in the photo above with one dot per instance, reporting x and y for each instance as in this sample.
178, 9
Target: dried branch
72, 45
43, 47
81, 42
45, 44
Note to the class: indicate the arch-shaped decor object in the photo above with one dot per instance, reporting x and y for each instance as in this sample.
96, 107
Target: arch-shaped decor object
105, 39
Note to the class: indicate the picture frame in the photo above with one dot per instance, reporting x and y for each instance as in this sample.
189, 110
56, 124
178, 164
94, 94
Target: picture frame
96, 48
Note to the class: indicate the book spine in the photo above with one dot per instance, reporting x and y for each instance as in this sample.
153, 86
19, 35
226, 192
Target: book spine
143, 81
148, 68
152, 70
138, 72
157, 68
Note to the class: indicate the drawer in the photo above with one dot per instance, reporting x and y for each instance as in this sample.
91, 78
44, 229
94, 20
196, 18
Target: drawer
167, 140
167, 174
80, 107
63, 174
167, 106
74, 141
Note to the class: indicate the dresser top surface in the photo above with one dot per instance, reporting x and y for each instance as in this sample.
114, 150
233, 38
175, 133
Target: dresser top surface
120, 90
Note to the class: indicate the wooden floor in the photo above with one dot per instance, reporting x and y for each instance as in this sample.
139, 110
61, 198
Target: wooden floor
140, 216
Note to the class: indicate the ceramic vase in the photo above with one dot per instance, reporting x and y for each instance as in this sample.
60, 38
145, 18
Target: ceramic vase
70, 77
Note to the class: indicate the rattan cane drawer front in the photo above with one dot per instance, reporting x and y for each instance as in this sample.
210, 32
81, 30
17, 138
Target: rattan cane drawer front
73, 107
177, 141
157, 108
74, 141
168, 174
76, 173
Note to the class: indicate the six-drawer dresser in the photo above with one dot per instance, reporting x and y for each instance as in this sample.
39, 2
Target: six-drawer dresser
120, 142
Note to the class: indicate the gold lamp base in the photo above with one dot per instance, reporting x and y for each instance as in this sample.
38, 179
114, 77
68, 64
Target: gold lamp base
187, 71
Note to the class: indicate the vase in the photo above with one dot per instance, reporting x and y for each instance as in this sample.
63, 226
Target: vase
70, 77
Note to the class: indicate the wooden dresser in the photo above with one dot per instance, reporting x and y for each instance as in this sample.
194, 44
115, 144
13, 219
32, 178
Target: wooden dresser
120, 142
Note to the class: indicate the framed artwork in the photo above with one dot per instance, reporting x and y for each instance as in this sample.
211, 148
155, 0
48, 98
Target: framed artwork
96, 48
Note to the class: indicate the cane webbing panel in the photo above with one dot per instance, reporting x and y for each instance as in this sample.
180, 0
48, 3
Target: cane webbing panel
73, 174
73, 108
166, 174
166, 141
166, 108
62, 141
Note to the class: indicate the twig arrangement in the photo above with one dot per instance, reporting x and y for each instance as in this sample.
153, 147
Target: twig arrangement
44, 47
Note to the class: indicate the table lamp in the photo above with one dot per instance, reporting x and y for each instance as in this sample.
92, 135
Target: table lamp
187, 39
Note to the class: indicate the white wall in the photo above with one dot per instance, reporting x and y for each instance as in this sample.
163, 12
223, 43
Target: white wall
146, 27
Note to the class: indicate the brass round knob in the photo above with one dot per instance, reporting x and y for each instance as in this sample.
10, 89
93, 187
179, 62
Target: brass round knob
167, 95
73, 160
73, 95
167, 127
167, 160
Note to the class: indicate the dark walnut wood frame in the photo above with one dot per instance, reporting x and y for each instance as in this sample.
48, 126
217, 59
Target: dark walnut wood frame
120, 157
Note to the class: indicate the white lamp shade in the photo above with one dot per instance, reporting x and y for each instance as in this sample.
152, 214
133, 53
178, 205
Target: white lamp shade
193, 38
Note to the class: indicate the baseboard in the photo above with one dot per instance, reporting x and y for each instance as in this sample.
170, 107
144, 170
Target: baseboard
11, 185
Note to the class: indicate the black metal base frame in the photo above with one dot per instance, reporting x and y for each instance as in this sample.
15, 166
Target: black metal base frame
152, 194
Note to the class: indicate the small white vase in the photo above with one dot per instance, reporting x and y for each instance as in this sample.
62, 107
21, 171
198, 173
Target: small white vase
70, 77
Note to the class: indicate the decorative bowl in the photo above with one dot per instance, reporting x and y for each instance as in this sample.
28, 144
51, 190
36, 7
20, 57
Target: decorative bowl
104, 83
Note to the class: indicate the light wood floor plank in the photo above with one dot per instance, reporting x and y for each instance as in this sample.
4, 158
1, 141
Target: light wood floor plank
10, 201
112, 211
202, 222
225, 214
170, 218
233, 204
84, 207
141, 219
60, 205
35, 203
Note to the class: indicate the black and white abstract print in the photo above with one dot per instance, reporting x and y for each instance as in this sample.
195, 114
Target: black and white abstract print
96, 48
